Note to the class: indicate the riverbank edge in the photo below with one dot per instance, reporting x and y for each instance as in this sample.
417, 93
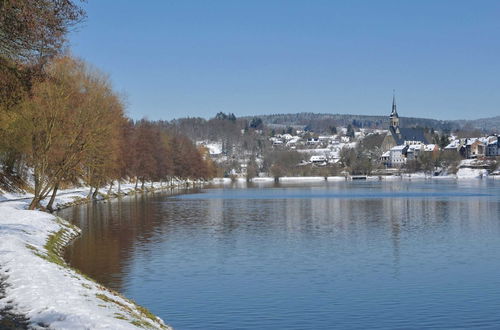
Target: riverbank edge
55, 246
57, 241
311, 179
124, 193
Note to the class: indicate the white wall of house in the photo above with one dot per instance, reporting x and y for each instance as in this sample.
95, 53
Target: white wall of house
397, 156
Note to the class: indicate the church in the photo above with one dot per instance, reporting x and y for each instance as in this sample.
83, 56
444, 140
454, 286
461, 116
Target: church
401, 135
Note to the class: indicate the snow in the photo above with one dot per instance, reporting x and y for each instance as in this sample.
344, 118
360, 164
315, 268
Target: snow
430, 147
214, 148
301, 178
471, 173
336, 178
263, 179
398, 148
221, 180
386, 154
68, 196
317, 151
454, 144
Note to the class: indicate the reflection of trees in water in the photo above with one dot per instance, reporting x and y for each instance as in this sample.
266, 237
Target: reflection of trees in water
111, 232
114, 232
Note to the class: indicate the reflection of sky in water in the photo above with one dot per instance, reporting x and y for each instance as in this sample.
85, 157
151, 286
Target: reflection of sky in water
348, 255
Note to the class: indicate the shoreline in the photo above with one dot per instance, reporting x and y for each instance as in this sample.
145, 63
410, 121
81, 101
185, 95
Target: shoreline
313, 179
40, 289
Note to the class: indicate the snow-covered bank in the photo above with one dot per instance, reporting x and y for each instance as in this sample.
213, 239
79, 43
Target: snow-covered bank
37, 283
302, 179
471, 173
73, 196
463, 173
40, 286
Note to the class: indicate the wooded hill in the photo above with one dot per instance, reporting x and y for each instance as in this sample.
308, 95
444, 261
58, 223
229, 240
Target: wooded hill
321, 121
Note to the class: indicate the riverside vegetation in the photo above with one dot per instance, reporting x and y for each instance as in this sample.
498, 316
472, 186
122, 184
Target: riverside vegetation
61, 122
61, 125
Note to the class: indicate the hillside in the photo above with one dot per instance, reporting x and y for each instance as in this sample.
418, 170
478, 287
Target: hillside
488, 124
324, 120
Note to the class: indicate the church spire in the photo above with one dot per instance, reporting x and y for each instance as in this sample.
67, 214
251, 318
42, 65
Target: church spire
394, 117
394, 112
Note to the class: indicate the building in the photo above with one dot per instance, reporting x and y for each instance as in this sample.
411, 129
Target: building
492, 149
385, 159
475, 148
318, 160
413, 151
398, 135
398, 156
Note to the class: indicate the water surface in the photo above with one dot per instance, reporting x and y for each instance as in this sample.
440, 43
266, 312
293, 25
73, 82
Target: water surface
327, 255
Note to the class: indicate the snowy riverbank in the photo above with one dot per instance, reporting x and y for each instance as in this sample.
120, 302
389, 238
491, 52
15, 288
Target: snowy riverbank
40, 287
462, 174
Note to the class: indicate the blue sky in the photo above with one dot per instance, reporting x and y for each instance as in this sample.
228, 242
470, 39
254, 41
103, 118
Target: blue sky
195, 58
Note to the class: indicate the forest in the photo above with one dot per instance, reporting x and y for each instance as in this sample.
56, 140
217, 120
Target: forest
62, 123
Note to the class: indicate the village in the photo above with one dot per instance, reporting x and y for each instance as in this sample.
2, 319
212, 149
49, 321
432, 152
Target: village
393, 151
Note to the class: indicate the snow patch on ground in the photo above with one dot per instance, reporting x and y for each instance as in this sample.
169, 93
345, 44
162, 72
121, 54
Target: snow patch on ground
263, 179
301, 178
471, 173
336, 178
221, 180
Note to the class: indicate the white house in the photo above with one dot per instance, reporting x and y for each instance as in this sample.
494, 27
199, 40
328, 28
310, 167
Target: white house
414, 151
398, 157
319, 159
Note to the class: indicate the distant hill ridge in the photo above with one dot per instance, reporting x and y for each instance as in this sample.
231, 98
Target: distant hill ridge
318, 120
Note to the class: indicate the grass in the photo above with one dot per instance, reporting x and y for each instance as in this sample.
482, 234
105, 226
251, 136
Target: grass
138, 317
53, 253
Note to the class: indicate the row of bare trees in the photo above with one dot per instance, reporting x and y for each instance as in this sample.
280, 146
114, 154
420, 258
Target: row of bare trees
71, 129
62, 124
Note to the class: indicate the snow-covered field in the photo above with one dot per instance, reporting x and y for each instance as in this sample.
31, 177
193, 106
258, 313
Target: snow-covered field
40, 286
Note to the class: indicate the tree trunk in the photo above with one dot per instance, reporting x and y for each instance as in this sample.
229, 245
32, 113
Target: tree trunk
53, 197
94, 195
142, 184
36, 198
90, 193
119, 186
110, 187
34, 203
136, 182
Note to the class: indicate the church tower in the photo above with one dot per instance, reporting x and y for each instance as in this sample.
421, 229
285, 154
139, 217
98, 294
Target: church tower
394, 117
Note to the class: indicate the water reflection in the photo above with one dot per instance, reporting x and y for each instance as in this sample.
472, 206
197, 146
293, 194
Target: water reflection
346, 254
110, 230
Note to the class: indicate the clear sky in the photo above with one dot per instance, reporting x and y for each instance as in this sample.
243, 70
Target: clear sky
195, 58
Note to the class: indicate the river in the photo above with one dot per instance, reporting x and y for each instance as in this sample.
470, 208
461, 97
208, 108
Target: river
422, 254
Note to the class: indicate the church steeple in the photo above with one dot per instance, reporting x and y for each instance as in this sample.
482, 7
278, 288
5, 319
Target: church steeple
394, 117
